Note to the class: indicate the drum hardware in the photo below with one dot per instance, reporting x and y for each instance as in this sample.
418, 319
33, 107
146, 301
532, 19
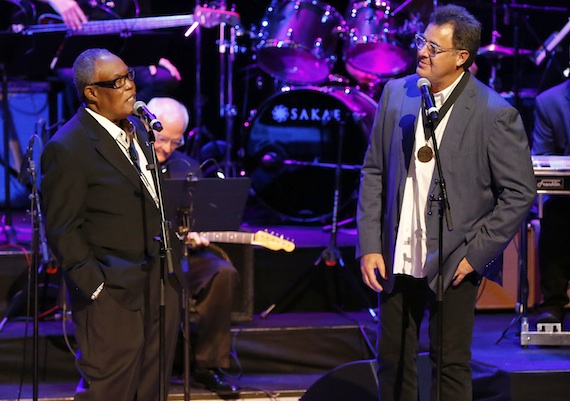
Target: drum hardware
493, 51
291, 143
331, 256
272, 160
229, 29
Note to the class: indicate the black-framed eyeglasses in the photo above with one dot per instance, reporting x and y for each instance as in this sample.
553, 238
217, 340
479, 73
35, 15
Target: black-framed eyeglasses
432, 49
117, 82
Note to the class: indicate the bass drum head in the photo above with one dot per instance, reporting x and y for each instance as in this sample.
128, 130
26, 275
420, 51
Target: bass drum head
292, 149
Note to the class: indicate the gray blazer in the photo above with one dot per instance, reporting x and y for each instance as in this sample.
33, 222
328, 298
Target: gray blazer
487, 168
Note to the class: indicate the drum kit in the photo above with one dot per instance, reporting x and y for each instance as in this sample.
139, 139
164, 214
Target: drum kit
291, 137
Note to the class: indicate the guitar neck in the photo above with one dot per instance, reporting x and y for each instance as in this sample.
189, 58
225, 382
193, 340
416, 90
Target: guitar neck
229, 237
207, 17
116, 26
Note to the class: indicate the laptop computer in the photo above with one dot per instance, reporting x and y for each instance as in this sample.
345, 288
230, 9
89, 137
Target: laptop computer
206, 204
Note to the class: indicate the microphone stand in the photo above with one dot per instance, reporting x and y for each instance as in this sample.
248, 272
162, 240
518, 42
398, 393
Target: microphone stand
166, 264
443, 210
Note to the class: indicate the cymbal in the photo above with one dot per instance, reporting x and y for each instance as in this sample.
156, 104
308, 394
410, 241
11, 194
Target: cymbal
497, 51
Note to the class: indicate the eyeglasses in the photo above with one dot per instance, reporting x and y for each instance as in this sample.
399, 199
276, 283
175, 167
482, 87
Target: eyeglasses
117, 82
432, 48
165, 141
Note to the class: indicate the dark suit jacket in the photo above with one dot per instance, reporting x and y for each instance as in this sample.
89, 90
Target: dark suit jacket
101, 222
551, 134
486, 164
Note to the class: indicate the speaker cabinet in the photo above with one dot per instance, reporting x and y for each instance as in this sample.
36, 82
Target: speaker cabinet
493, 296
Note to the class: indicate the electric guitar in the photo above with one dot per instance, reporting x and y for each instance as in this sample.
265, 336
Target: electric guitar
261, 238
205, 16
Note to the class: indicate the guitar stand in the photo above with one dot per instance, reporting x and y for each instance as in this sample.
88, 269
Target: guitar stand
331, 255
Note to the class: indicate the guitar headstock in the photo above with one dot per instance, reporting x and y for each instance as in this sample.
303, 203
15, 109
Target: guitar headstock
272, 241
210, 17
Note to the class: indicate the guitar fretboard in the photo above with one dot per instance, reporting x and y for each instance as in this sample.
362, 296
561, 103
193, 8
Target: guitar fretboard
236, 237
116, 26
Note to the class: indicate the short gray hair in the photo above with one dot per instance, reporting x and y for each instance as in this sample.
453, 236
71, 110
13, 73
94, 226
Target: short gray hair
84, 69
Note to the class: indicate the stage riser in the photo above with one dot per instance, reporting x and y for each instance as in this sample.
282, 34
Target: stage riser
284, 348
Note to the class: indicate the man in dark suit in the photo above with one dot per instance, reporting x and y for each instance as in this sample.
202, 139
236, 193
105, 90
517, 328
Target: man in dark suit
211, 279
551, 136
104, 226
486, 165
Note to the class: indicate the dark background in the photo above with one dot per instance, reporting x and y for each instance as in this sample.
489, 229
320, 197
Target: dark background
531, 21
528, 21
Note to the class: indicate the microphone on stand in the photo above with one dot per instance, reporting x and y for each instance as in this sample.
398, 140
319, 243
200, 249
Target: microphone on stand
140, 109
429, 102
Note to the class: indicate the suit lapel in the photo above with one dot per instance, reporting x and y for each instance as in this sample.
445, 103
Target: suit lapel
107, 147
455, 129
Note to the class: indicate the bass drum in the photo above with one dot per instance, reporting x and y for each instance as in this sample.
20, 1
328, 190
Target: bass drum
292, 148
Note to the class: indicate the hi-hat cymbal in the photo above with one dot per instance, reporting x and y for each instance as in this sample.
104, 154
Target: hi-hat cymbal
497, 51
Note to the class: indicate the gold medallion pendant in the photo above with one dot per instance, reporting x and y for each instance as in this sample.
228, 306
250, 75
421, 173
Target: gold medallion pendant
425, 154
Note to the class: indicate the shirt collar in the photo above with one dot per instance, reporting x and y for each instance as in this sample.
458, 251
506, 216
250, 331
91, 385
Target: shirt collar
116, 132
441, 97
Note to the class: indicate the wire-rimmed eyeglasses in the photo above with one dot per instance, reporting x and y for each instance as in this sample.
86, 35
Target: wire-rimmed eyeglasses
432, 49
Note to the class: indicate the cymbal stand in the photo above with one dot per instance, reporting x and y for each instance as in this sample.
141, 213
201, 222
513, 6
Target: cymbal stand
331, 255
495, 62
7, 227
228, 111
196, 133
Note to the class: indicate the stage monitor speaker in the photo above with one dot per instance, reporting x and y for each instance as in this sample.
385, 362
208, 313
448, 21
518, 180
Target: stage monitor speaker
351, 381
358, 381
495, 296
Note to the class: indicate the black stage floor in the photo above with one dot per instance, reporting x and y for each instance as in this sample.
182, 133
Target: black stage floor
304, 348
283, 355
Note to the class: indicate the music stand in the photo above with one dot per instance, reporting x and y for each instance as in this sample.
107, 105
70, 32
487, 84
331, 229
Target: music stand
206, 204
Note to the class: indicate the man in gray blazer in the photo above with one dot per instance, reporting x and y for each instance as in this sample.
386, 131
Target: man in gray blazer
103, 224
486, 165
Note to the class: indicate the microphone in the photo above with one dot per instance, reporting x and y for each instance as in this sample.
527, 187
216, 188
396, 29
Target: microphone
24, 174
140, 109
429, 102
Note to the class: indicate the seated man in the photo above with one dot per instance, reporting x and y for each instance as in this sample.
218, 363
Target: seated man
211, 279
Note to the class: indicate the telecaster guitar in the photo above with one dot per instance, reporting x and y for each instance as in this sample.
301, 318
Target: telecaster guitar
207, 17
261, 238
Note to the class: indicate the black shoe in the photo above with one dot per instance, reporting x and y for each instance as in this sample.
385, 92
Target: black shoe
551, 317
213, 380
